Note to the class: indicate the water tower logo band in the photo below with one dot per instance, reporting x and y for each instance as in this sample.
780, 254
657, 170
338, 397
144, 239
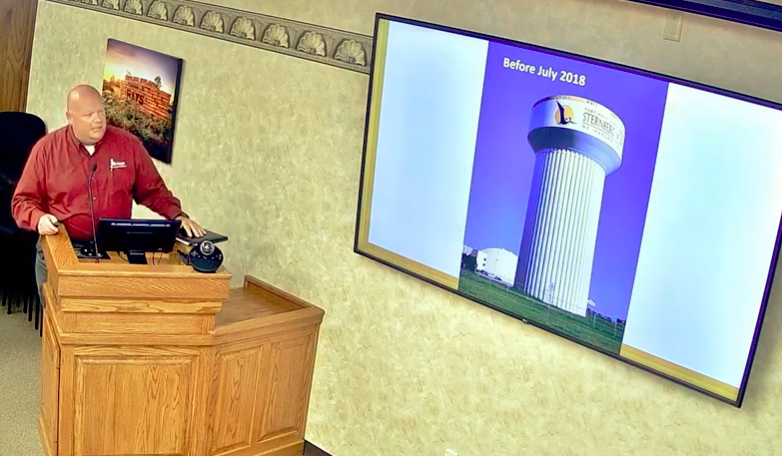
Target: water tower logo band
563, 115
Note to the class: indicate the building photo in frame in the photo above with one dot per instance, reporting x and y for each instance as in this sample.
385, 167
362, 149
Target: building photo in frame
140, 94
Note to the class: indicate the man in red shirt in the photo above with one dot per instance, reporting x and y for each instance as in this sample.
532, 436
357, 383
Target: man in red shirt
54, 188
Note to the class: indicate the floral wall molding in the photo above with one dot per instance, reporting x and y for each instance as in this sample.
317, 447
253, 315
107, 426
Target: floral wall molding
319, 44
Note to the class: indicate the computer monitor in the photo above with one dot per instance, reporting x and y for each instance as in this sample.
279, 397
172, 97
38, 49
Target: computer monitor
136, 237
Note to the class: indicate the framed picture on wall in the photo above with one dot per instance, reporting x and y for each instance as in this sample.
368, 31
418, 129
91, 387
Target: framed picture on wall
140, 94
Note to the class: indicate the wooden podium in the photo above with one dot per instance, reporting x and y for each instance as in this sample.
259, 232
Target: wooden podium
159, 359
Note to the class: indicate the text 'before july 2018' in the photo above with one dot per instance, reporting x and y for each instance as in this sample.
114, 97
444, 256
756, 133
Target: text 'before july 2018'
545, 72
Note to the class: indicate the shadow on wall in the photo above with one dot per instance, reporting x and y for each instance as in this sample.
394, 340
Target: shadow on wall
761, 383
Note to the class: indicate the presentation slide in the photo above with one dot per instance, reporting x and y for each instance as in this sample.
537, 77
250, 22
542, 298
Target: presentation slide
427, 143
626, 211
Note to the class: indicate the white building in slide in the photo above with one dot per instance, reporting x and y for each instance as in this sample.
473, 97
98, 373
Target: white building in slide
577, 143
497, 263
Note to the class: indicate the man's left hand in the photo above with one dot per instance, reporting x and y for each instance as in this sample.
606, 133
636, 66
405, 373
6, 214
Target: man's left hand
192, 228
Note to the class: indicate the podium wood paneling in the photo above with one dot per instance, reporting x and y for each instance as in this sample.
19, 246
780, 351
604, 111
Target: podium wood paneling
109, 385
161, 360
50, 387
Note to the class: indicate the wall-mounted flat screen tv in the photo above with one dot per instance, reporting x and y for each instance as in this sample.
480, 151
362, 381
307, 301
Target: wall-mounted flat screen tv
631, 212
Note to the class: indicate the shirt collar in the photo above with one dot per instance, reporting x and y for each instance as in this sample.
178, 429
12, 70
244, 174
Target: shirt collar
72, 137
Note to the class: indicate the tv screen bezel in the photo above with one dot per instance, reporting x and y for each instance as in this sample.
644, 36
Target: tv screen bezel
749, 12
595, 61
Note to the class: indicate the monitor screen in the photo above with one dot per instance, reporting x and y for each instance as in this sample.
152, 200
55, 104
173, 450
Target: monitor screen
631, 212
136, 237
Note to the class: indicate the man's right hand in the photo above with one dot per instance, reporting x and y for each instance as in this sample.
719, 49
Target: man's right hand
47, 225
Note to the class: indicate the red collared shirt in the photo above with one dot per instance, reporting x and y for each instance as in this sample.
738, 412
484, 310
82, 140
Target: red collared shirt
55, 181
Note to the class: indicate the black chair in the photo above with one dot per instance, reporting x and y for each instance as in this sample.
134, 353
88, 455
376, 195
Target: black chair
19, 131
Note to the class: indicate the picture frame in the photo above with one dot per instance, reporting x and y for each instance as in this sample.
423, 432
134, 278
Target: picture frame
140, 93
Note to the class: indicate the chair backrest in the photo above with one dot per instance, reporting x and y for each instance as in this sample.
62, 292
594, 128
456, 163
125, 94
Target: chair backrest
19, 131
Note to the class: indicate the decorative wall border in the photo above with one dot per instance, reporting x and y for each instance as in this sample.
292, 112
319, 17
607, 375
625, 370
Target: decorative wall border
319, 44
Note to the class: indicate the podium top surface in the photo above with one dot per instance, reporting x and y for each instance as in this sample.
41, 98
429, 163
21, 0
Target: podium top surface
163, 278
61, 256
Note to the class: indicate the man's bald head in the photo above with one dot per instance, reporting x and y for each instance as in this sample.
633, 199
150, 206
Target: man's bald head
85, 114
81, 93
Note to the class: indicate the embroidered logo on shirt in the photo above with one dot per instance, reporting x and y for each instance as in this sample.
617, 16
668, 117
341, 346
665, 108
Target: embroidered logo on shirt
117, 164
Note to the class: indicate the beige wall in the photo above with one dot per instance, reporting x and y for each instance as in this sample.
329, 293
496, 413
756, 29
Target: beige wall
268, 150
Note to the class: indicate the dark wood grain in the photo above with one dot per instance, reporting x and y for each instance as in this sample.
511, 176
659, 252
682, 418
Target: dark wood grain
17, 26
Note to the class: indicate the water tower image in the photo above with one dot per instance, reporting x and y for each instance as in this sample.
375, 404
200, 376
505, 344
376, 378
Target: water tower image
577, 143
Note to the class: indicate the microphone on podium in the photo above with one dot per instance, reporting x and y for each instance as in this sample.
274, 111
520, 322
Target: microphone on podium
93, 168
